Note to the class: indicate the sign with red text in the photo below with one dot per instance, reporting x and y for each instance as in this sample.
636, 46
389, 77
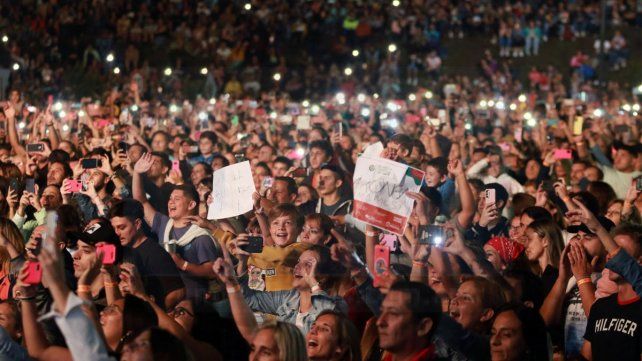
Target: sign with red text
380, 187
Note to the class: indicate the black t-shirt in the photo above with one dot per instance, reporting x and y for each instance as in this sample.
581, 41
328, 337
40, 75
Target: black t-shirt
159, 271
613, 329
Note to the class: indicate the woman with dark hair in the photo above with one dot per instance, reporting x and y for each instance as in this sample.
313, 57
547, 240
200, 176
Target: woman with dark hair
519, 334
333, 337
125, 318
154, 344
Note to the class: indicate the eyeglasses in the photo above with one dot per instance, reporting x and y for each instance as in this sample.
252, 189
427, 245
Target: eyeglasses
180, 311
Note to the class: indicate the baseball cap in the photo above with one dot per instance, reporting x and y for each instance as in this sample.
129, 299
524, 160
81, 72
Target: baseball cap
99, 231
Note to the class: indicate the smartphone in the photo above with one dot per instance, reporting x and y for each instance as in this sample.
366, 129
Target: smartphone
490, 196
518, 134
267, 182
91, 163
35, 147
193, 149
123, 146
34, 273
300, 173
338, 129
30, 185
381, 263
176, 165
434, 236
255, 244
39, 240
15, 184
3, 126
638, 184
75, 186
560, 154
109, 252
505, 147
577, 125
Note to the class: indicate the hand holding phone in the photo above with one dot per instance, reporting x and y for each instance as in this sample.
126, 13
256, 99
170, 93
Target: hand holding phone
255, 244
176, 166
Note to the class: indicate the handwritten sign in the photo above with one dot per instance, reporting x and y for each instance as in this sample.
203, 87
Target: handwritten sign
380, 187
232, 190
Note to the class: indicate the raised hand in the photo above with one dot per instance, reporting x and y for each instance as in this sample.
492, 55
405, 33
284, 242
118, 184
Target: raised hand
489, 214
144, 163
225, 272
583, 215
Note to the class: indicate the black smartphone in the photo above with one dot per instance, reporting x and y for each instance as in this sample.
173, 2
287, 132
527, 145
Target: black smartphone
30, 185
638, 184
91, 163
255, 244
14, 184
35, 147
123, 146
240, 157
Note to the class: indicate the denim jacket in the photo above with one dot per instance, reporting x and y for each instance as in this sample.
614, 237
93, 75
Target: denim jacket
285, 304
626, 266
82, 337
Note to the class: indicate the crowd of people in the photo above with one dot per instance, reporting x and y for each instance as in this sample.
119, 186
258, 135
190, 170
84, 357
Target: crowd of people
525, 236
220, 46
107, 252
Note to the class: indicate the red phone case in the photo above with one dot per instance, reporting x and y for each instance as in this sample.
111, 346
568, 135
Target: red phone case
109, 251
381, 263
34, 273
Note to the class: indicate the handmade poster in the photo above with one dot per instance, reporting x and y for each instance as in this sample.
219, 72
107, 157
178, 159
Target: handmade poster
232, 189
380, 187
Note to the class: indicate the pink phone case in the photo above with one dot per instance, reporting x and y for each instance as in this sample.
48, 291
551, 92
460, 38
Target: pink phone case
109, 251
563, 154
176, 166
75, 186
490, 196
34, 273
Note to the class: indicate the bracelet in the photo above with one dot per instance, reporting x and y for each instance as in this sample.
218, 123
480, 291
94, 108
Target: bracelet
83, 288
233, 289
184, 266
584, 281
372, 234
110, 284
26, 299
419, 264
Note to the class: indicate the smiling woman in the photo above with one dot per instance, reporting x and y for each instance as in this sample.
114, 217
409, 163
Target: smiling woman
333, 337
278, 341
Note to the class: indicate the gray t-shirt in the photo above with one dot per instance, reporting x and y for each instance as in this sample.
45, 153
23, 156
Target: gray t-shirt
199, 251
